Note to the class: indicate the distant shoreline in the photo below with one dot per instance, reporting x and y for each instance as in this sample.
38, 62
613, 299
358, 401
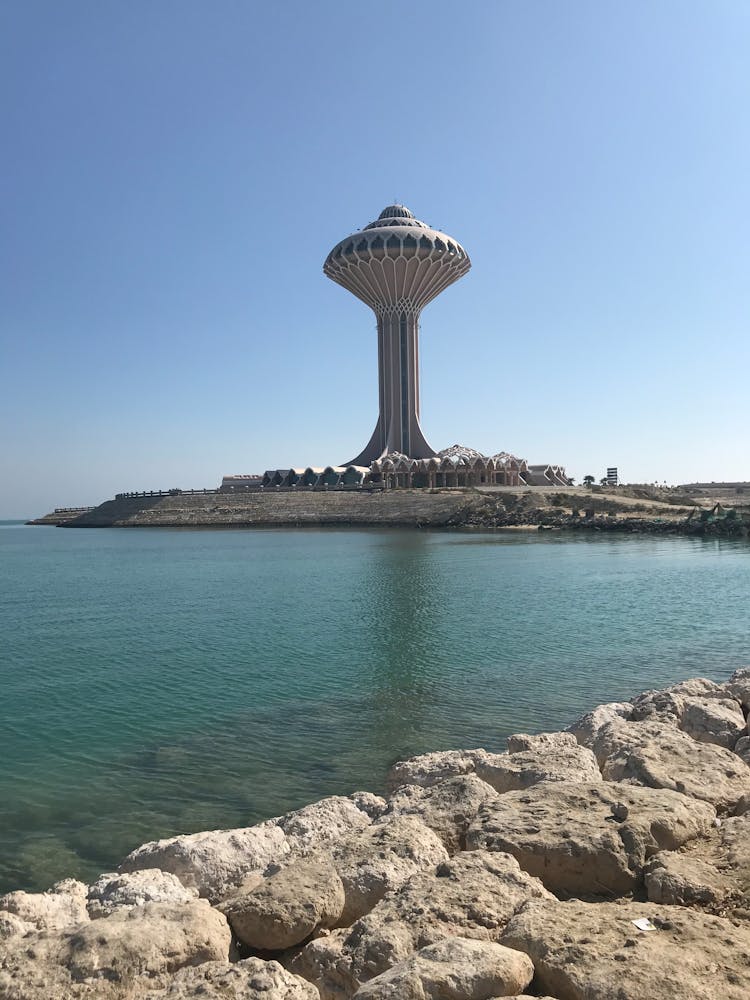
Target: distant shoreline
573, 509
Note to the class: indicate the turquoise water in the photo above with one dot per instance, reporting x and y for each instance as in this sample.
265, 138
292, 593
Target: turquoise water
156, 681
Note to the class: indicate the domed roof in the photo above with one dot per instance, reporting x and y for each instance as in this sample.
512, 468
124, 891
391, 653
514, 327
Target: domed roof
396, 212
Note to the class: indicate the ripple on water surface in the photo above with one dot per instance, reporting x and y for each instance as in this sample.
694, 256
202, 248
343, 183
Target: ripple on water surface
157, 682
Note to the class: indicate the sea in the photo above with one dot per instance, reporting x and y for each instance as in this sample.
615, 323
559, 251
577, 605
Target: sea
162, 681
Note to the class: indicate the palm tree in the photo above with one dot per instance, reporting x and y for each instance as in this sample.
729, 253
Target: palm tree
588, 480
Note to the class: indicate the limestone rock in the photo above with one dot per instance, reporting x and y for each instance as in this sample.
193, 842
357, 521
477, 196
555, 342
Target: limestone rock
699, 687
734, 850
447, 808
63, 907
152, 939
322, 823
673, 760
214, 861
620, 736
373, 805
453, 969
381, 858
431, 768
678, 879
473, 895
738, 686
590, 839
285, 908
586, 730
11, 925
112, 890
562, 762
540, 741
251, 979
592, 951
742, 748
106, 958
715, 719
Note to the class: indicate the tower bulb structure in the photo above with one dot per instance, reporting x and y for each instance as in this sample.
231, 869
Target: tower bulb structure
396, 265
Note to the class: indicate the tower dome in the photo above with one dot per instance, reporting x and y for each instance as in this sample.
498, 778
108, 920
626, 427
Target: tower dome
396, 212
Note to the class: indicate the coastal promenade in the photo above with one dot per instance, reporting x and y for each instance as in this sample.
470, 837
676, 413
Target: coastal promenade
608, 860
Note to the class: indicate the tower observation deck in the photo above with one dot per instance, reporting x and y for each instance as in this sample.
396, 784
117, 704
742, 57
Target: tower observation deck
396, 265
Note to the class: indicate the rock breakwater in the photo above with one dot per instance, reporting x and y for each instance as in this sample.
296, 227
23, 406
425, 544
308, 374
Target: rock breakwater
608, 861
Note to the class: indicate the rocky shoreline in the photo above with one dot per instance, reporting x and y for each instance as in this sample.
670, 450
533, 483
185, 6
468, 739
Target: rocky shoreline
568, 508
607, 862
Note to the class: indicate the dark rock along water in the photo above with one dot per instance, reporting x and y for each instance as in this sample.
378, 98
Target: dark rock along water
162, 681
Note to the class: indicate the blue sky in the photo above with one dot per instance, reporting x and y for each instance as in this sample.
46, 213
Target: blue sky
175, 172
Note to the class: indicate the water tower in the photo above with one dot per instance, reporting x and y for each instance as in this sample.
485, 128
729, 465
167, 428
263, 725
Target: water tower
396, 265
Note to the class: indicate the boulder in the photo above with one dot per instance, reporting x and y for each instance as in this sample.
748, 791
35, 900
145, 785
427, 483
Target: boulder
586, 730
453, 969
430, 769
112, 891
699, 687
733, 858
62, 908
473, 895
714, 719
519, 742
11, 925
251, 979
514, 771
670, 759
681, 880
593, 951
742, 748
133, 949
381, 858
738, 686
153, 939
373, 805
590, 839
288, 906
619, 735
216, 861
446, 808
326, 821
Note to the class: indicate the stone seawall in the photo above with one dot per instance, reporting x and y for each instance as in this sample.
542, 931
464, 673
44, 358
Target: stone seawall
608, 861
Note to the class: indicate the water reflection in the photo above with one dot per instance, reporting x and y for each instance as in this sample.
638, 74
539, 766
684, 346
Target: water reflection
399, 600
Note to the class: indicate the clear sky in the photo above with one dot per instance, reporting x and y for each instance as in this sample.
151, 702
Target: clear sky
174, 173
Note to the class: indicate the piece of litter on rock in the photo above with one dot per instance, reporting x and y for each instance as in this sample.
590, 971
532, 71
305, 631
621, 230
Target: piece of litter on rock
717, 822
644, 924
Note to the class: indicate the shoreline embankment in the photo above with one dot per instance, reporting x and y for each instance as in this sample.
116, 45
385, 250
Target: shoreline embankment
608, 860
544, 509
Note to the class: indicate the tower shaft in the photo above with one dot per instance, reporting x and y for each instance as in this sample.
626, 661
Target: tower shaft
397, 429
